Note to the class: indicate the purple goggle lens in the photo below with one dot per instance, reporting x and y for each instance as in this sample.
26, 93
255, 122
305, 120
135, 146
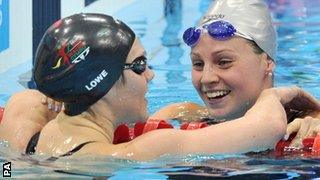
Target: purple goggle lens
220, 30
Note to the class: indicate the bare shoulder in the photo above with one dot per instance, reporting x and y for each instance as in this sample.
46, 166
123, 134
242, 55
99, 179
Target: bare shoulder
51, 138
65, 133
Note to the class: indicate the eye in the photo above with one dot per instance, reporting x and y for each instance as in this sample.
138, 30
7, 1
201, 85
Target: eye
141, 60
197, 65
224, 63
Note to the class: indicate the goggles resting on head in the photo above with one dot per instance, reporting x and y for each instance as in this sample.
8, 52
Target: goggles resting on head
220, 30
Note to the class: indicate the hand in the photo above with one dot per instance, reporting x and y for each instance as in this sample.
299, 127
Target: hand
305, 127
297, 99
52, 104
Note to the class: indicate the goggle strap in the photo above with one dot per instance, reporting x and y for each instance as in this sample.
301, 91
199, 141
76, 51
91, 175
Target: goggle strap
238, 33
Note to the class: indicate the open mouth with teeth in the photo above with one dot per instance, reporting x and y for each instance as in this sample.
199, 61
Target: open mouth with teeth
217, 94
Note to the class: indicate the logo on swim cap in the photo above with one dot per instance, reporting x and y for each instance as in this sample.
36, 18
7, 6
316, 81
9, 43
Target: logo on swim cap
97, 80
56, 25
207, 18
71, 53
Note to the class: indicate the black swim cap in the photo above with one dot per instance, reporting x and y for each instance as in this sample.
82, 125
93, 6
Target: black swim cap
80, 57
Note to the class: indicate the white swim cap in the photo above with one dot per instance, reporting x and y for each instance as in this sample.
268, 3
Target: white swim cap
250, 17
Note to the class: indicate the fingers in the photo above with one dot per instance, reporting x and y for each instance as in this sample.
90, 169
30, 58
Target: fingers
55, 106
294, 126
302, 133
44, 100
314, 127
316, 130
305, 127
52, 104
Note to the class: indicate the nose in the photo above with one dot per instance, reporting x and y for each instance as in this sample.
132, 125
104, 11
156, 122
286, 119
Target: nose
149, 74
209, 75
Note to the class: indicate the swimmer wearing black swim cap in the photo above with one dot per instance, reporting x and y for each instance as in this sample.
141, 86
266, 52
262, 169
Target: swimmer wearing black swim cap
80, 57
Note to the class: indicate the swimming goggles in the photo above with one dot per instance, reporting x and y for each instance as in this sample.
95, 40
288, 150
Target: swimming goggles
220, 30
138, 65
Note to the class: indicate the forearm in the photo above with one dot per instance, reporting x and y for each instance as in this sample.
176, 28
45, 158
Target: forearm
261, 128
269, 110
238, 136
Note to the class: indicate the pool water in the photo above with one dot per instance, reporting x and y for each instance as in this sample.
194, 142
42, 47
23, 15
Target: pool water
160, 24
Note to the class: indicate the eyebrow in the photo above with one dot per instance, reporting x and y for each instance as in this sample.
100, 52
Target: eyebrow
219, 51
193, 55
212, 54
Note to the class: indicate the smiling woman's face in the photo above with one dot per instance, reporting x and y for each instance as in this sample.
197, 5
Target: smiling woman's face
228, 75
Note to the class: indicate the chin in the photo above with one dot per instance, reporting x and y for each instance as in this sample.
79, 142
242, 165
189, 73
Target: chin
138, 117
223, 114
144, 117
217, 114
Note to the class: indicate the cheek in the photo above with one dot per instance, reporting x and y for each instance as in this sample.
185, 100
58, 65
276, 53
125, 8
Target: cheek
137, 89
196, 78
251, 78
246, 84
242, 76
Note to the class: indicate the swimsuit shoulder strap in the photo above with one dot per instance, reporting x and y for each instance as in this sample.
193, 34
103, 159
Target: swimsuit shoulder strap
74, 150
31, 147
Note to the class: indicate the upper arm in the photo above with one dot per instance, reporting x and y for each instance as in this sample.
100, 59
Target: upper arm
185, 111
24, 116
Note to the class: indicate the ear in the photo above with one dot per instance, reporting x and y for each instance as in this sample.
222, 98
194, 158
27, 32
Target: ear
268, 63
